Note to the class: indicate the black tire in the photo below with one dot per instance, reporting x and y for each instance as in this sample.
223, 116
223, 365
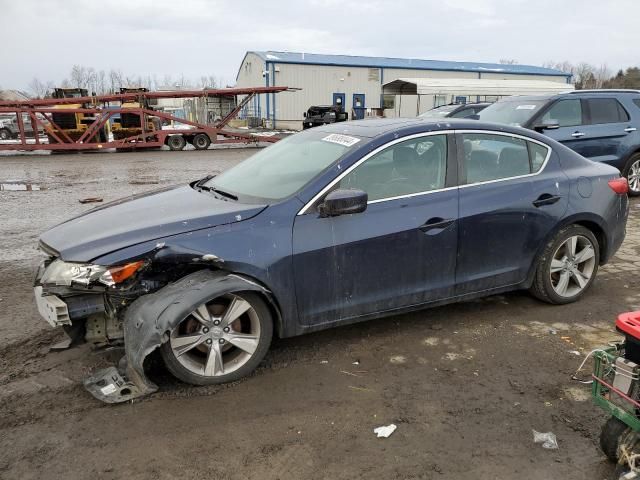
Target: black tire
201, 141
610, 436
542, 288
176, 142
266, 332
5, 134
629, 172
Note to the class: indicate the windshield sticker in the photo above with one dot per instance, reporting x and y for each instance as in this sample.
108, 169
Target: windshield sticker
526, 107
345, 140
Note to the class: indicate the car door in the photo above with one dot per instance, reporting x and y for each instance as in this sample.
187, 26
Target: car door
606, 131
400, 251
570, 116
512, 194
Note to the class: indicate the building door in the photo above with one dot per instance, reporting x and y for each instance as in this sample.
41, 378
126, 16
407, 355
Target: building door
339, 99
358, 106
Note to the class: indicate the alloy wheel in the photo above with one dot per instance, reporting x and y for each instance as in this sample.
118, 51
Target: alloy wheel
218, 337
572, 266
633, 177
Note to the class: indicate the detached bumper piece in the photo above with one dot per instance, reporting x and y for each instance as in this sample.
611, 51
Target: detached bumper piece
109, 386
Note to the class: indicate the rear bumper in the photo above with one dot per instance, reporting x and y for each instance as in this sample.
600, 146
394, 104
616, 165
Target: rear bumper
618, 229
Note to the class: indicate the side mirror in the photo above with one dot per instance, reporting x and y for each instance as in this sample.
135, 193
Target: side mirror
473, 117
546, 126
343, 202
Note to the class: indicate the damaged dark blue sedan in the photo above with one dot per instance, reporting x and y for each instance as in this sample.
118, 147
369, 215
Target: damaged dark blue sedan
331, 226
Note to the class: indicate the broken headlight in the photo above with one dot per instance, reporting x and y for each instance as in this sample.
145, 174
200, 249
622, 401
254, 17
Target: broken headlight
67, 273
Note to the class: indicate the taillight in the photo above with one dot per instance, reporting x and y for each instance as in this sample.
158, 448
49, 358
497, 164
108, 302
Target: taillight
619, 185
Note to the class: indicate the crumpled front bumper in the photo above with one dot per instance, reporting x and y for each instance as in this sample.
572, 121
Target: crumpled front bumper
147, 324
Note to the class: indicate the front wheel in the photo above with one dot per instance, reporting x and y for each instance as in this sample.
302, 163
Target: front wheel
632, 174
222, 340
610, 437
5, 134
567, 266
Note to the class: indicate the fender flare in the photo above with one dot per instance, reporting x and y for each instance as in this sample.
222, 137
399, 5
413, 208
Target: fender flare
149, 319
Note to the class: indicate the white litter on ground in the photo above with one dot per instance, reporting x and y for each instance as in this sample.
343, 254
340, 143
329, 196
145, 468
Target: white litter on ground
548, 440
385, 431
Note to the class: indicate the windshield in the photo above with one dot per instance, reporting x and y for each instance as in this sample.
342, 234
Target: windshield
282, 169
514, 112
439, 112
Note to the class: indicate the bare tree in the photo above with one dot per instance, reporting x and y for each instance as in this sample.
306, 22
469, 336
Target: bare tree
508, 61
115, 79
79, 76
40, 89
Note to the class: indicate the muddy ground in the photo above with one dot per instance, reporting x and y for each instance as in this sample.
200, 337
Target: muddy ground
465, 384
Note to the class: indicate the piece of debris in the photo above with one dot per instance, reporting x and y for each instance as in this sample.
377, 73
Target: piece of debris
62, 345
357, 362
398, 359
324, 361
350, 373
385, 431
90, 200
360, 389
548, 440
553, 331
575, 352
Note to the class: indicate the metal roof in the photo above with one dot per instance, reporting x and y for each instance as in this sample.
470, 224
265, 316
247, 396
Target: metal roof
408, 63
474, 86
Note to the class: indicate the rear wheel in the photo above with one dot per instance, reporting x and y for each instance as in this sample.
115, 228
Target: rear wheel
176, 142
567, 266
220, 341
632, 174
201, 141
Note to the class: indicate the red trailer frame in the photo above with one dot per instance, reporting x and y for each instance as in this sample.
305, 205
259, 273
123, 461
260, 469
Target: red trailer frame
40, 114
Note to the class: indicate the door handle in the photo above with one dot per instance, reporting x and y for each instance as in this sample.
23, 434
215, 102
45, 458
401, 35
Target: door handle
436, 223
630, 129
546, 199
577, 134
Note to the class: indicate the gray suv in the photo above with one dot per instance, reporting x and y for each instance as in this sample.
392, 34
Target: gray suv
602, 125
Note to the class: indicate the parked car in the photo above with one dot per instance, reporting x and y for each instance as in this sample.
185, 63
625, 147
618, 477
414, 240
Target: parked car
323, 115
9, 127
455, 110
334, 225
601, 125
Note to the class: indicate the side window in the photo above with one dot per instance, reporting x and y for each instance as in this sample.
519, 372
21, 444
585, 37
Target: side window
492, 157
606, 110
538, 155
566, 113
413, 166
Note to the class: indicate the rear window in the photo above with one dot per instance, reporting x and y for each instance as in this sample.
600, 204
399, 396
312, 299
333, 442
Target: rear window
606, 110
492, 157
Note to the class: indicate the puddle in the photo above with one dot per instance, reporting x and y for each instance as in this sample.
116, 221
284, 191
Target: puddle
20, 187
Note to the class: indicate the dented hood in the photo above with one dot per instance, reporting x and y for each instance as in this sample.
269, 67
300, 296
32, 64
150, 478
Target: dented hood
143, 218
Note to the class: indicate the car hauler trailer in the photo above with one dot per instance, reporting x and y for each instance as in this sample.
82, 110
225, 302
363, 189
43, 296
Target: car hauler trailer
43, 114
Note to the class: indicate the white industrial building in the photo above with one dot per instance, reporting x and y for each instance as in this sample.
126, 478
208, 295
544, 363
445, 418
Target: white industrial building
362, 83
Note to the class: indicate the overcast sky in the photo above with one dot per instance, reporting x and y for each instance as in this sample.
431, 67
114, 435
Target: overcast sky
44, 38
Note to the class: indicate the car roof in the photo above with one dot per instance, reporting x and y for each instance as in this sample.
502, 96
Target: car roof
374, 127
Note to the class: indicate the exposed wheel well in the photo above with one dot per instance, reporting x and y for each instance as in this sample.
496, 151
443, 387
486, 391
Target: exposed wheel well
274, 309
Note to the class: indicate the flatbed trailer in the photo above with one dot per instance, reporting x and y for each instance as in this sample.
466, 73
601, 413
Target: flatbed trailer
40, 113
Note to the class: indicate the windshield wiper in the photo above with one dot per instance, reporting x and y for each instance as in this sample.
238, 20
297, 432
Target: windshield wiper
222, 192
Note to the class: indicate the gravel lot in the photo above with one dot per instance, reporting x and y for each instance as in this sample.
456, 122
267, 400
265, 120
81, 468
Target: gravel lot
465, 384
